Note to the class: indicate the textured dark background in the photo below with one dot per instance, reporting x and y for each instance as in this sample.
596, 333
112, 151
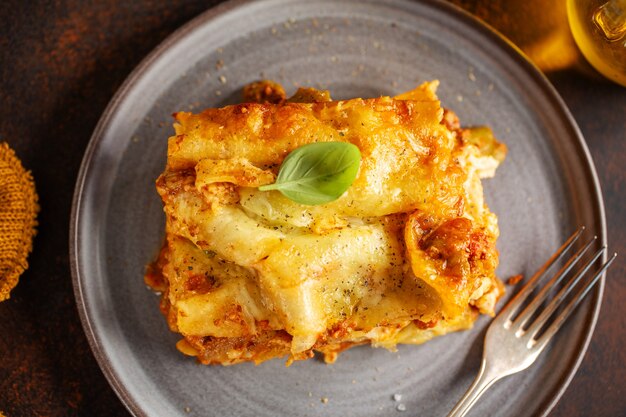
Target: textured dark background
61, 62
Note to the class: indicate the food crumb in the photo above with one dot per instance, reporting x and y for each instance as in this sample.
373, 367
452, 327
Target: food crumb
187, 410
310, 394
401, 407
515, 279
222, 79
354, 381
397, 397
219, 64
490, 87
274, 31
218, 93
459, 98
471, 75
324, 400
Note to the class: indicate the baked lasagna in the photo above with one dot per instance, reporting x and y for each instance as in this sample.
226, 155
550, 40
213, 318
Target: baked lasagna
407, 253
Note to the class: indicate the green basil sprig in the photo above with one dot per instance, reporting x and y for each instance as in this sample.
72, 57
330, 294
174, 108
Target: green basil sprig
317, 173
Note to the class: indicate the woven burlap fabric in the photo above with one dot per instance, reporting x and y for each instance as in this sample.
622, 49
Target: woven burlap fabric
18, 213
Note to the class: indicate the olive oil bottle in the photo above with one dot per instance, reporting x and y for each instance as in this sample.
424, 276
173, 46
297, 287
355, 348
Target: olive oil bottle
599, 29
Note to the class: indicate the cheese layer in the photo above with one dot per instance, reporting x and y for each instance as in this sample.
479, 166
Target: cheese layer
405, 254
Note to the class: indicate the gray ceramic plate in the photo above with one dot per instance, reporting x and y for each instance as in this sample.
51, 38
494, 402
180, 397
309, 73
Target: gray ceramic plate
543, 191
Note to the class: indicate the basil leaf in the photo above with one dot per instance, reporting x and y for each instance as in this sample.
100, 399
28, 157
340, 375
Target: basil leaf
317, 173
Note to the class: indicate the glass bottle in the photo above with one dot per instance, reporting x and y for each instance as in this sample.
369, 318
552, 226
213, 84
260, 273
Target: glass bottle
599, 29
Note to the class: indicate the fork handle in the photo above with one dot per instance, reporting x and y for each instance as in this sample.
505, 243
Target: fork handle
483, 381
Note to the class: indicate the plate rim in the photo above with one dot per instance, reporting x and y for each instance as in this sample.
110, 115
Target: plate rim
216, 11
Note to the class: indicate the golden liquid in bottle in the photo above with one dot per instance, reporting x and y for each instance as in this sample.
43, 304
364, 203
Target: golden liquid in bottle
599, 28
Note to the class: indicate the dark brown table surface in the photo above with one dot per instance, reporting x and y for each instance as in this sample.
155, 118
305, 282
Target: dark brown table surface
60, 63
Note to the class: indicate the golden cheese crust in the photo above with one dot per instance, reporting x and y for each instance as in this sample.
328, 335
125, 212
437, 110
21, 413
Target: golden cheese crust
406, 254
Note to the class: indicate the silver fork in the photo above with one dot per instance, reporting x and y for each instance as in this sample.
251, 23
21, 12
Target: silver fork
512, 343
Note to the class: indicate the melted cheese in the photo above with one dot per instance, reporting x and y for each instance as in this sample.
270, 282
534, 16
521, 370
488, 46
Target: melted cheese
406, 254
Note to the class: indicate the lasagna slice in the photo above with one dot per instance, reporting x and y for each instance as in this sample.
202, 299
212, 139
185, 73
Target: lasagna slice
405, 254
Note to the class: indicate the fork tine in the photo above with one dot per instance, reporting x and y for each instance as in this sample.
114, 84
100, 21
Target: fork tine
526, 314
562, 317
509, 309
560, 296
